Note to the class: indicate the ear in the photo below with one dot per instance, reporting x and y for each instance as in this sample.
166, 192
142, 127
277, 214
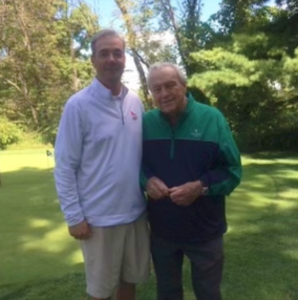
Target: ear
185, 88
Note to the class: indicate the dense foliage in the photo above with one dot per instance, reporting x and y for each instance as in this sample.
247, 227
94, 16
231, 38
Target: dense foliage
243, 60
249, 71
42, 60
9, 133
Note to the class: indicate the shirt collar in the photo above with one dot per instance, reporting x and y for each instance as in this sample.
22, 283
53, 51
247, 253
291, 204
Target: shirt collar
101, 90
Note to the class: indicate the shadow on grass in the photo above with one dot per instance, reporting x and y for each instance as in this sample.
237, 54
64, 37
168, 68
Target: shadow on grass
273, 155
261, 244
262, 255
70, 286
34, 239
283, 174
39, 261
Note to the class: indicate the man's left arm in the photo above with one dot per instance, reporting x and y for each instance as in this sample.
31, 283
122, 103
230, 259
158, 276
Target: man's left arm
223, 176
226, 171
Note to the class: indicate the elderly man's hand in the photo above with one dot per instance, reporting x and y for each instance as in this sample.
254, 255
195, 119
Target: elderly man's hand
187, 193
81, 231
156, 188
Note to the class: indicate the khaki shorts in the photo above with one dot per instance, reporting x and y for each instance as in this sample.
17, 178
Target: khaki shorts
114, 254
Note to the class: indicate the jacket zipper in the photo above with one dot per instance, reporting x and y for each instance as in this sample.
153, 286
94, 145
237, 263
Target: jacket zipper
122, 115
172, 150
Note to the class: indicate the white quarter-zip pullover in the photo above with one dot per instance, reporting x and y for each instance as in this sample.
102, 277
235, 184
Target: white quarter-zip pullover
98, 156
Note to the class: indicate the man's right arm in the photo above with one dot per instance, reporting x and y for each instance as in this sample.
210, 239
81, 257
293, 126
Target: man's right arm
155, 187
68, 151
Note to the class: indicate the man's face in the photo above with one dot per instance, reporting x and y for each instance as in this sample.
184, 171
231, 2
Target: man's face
109, 59
167, 90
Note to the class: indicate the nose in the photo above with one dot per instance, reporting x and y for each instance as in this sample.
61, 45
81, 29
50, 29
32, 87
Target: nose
164, 92
111, 57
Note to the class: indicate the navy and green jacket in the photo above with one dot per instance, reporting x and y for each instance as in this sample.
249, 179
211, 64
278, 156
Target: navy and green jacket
199, 147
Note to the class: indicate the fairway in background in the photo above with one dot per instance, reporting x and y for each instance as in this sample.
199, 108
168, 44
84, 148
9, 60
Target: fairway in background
34, 240
39, 261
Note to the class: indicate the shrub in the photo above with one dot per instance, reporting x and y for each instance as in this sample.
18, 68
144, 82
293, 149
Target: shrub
9, 133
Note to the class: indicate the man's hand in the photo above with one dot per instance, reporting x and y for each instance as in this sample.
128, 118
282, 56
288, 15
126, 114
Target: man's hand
81, 231
156, 188
187, 193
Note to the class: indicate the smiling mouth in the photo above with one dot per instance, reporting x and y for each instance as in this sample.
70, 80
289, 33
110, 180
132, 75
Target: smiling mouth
166, 102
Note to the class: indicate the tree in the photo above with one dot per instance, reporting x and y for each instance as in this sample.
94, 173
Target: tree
249, 75
132, 37
49, 38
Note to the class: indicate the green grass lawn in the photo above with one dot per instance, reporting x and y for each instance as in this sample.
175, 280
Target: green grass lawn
39, 261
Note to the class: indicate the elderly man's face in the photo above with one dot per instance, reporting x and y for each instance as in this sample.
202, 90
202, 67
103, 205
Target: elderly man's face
167, 90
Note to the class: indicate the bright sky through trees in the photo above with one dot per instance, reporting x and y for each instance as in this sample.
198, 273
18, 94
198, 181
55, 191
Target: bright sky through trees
109, 12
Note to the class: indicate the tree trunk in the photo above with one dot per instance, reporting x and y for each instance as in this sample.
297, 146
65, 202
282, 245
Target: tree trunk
132, 45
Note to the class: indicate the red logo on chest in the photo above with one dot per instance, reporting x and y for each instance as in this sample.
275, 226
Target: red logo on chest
133, 115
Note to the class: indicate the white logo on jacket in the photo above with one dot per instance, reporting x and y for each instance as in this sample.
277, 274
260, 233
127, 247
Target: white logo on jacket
196, 133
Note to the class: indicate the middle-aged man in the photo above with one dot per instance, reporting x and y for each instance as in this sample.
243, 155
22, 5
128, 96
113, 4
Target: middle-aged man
190, 163
98, 157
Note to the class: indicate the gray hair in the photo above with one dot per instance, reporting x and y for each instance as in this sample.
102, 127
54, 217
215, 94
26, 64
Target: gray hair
104, 33
162, 65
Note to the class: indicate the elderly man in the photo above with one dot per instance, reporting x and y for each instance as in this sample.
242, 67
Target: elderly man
190, 163
98, 157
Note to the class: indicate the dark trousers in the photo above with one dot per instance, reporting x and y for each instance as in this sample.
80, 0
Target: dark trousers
206, 268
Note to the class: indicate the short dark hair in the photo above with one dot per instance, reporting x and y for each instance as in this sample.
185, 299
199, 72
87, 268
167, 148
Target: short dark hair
104, 33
